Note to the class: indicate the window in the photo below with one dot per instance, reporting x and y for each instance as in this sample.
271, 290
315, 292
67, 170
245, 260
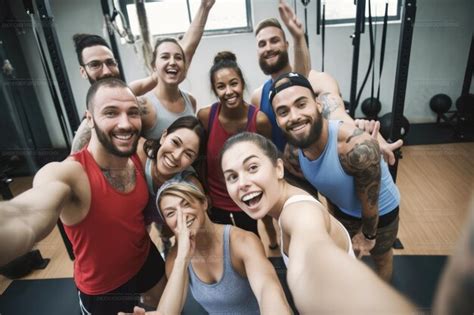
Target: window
171, 17
344, 11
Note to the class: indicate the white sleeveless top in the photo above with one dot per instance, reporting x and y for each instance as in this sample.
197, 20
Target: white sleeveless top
298, 198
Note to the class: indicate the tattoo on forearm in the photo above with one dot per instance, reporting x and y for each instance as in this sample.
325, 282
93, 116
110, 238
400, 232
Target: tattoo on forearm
143, 108
291, 160
369, 224
363, 162
357, 132
81, 138
329, 104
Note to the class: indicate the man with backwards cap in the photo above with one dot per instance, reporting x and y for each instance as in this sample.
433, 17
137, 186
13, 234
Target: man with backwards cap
343, 163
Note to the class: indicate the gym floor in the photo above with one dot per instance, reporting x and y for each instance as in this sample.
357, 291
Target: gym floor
436, 183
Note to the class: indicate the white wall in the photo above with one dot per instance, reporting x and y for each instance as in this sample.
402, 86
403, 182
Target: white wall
439, 53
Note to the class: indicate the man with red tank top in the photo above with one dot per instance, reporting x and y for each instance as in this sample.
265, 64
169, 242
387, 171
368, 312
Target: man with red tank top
99, 194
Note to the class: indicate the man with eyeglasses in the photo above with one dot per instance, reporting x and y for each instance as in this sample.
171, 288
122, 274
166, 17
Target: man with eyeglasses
97, 62
95, 58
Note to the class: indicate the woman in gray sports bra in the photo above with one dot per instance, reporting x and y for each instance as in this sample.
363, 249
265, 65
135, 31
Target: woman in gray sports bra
225, 267
323, 275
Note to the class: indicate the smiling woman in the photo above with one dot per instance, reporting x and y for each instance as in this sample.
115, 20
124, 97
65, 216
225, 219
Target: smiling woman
172, 156
313, 242
229, 116
225, 267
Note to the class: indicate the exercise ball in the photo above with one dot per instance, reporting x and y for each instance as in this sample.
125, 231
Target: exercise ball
371, 107
386, 125
440, 103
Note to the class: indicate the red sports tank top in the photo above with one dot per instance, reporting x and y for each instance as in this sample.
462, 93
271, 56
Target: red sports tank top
111, 243
217, 136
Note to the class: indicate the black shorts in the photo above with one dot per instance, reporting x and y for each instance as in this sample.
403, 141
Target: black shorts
387, 229
124, 298
236, 218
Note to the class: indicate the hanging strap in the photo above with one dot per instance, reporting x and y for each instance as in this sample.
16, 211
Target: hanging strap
382, 47
371, 37
147, 50
323, 35
305, 3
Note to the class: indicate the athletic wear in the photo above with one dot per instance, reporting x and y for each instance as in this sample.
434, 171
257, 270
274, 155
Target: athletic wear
387, 229
124, 298
277, 135
298, 198
164, 117
232, 294
328, 176
114, 218
217, 136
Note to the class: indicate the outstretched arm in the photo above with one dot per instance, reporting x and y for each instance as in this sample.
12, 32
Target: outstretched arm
193, 35
373, 127
325, 279
302, 59
32, 215
360, 157
333, 108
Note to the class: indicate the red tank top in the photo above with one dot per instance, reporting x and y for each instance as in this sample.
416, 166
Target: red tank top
217, 136
111, 243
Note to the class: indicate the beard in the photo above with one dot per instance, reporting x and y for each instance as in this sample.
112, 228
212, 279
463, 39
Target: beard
313, 136
281, 63
105, 140
111, 75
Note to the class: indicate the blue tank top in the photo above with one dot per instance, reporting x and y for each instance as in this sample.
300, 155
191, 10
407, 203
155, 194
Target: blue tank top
327, 176
232, 294
278, 138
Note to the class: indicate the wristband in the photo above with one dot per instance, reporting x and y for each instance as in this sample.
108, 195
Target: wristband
370, 237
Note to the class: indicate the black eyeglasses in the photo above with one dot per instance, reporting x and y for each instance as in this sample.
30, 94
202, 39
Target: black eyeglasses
96, 65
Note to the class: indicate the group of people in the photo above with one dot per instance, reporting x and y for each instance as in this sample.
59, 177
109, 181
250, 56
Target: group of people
143, 156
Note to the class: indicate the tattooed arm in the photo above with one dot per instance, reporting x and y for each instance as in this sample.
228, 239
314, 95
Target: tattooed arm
360, 157
333, 108
291, 161
81, 138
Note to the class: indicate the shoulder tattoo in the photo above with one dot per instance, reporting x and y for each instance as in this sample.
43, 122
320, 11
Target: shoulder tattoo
329, 104
143, 108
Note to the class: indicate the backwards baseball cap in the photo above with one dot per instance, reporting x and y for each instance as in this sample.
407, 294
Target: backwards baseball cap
287, 80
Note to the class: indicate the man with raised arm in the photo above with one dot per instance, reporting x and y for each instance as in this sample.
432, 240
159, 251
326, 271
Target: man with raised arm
272, 51
97, 61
